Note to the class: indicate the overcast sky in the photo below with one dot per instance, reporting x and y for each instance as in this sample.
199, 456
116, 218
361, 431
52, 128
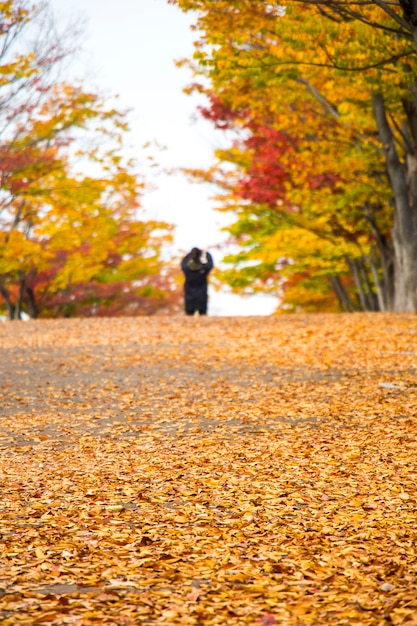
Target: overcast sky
129, 49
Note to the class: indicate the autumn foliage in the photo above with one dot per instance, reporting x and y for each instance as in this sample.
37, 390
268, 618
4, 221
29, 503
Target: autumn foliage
317, 104
73, 239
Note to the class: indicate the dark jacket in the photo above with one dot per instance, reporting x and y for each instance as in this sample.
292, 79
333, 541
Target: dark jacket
195, 286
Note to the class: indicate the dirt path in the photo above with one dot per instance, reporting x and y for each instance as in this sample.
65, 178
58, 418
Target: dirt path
168, 375
215, 418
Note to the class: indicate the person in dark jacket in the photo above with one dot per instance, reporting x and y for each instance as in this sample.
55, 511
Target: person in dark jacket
196, 266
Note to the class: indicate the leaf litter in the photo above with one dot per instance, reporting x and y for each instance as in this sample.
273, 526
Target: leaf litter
209, 471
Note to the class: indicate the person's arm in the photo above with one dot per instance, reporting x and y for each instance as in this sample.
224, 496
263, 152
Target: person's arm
209, 265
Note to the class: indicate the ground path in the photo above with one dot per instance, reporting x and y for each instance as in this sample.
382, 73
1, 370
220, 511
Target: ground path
209, 471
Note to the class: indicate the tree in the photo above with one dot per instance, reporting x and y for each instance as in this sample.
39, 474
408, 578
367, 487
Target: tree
70, 242
272, 227
259, 62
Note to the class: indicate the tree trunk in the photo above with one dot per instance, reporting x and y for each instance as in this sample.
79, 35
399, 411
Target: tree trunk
9, 304
371, 298
343, 298
383, 255
379, 286
19, 299
31, 303
404, 230
354, 270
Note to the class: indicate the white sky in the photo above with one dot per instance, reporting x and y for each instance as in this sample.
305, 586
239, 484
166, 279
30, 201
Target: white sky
129, 49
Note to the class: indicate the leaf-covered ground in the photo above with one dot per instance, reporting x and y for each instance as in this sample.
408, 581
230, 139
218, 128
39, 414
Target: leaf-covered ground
209, 471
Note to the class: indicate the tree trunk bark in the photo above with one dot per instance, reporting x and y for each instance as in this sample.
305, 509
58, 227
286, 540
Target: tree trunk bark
404, 230
354, 270
19, 299
371, 298
384, 255
343, 298
9, 304
31, 303
379, 286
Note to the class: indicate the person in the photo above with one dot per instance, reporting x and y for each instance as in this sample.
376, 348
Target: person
196, 266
